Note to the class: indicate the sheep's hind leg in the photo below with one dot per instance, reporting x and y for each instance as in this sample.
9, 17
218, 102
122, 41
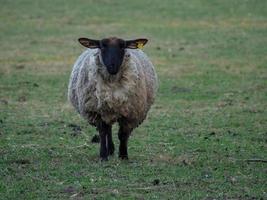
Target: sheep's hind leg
110, 144
124, 133
104, 130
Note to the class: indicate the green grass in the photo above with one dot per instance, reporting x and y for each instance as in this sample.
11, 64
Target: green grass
208, 119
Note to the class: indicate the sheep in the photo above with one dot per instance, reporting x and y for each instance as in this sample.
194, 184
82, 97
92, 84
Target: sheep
113, 81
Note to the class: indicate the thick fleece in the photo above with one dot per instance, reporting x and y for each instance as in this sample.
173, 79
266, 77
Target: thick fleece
96, 94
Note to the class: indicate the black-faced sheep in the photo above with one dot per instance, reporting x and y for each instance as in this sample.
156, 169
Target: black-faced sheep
113, 81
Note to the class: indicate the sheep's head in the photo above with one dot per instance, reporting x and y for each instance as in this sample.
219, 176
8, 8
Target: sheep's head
112, 50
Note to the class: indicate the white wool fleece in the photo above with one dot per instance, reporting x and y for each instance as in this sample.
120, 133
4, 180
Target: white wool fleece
96, 94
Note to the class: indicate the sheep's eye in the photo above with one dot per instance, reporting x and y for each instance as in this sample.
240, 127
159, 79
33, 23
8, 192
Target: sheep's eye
122, 45
104, 45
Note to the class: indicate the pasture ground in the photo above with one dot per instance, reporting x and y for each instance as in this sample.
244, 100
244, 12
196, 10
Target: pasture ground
208, 120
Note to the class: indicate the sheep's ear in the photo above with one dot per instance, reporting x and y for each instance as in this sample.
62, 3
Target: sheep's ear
134, 44
92, 44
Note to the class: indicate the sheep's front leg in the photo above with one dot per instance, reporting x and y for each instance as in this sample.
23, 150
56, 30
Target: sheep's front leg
124, 133
104, 130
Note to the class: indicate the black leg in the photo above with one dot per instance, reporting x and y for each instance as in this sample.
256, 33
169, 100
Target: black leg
104, 129
124, 133
110, 144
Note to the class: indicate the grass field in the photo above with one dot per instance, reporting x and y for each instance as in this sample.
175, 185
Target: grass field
209, 119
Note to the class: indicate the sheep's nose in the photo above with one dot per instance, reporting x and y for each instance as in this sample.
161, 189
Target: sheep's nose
112, 69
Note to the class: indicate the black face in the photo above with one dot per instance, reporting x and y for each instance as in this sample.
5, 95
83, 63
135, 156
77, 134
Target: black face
113, 50
112, 53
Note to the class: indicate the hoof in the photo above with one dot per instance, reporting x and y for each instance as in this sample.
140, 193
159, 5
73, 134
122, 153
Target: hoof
123, 157
95, 139
104, 159
111, 150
